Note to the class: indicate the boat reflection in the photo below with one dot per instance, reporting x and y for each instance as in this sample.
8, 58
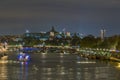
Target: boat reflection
23, 71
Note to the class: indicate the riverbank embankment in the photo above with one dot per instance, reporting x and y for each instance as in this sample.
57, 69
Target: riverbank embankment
100, 54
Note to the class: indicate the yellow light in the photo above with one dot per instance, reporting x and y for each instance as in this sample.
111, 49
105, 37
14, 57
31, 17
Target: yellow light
118, 65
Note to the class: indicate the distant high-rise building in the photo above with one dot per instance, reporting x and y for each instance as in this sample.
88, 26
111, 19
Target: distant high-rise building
102, 34
27, 31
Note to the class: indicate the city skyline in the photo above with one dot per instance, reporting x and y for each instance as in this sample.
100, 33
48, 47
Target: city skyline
82, 16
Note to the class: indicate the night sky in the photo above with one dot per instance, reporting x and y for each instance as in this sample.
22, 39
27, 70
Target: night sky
83, 16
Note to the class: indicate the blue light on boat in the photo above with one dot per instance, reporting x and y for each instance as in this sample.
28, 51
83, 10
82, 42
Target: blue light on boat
23, 57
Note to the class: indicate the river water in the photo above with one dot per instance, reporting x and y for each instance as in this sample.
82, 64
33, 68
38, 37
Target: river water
54, 66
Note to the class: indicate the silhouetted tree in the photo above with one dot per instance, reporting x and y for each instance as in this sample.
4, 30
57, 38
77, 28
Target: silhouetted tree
75, 40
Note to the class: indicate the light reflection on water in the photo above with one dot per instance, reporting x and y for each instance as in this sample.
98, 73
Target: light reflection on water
23, 72
3, 72
55, 67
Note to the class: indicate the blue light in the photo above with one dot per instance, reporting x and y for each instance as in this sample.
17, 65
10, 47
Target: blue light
23, 57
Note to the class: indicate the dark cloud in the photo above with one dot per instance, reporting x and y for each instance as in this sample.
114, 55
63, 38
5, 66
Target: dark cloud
85, 16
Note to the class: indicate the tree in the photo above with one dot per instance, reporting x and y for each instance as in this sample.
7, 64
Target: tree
75, 40
88, 41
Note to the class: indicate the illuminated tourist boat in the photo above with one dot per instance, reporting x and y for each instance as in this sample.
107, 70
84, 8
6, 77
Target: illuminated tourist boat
23, 57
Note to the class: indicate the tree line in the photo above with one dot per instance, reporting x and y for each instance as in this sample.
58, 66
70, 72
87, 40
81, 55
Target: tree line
89, 41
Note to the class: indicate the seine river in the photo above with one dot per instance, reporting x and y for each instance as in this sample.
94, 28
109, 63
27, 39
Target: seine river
54, 66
